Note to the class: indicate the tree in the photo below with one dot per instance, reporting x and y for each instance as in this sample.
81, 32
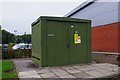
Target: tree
19, 39
26, 38
7, 37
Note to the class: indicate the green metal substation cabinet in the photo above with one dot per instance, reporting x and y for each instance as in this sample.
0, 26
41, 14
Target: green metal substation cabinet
60, 41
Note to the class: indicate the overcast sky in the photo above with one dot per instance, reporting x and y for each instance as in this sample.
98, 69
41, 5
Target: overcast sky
18, 15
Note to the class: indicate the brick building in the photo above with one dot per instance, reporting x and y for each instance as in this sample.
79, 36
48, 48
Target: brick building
105, 23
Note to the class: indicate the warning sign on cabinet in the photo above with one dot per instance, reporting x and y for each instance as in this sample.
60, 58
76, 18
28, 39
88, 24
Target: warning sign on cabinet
77, 39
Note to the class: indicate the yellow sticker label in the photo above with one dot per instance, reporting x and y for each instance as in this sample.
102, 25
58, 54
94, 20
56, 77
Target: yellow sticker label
75, 38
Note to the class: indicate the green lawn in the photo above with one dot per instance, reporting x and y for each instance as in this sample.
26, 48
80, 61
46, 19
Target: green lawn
0, 69
7, 69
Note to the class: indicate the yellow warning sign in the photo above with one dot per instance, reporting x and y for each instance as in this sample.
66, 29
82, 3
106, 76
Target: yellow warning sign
76, 38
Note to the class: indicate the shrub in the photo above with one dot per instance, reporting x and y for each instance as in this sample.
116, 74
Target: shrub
5, 54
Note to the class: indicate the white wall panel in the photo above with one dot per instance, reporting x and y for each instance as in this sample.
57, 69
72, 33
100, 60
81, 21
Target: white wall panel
100, 13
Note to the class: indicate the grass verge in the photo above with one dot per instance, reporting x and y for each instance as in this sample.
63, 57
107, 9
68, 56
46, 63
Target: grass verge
7, 69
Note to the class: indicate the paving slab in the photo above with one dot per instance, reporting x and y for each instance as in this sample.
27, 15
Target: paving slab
27, 69
28, 74
67, 76
90, 67
48, 75
95, 74
55, 69
30, 79
51, 79
82, 68
105, 65
82, 75
23, 65
43, 71
72, 71
107, 75
103, 71
67, 67
60, 73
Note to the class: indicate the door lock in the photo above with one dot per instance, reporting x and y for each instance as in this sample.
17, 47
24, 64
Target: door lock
68, 45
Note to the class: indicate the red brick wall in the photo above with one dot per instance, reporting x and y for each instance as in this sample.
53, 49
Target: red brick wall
105, 38
119, 37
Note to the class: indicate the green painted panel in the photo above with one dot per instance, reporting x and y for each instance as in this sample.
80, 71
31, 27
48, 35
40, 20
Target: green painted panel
56, 43
89, 43
36, 51
44, 59
53, 41
78, 52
